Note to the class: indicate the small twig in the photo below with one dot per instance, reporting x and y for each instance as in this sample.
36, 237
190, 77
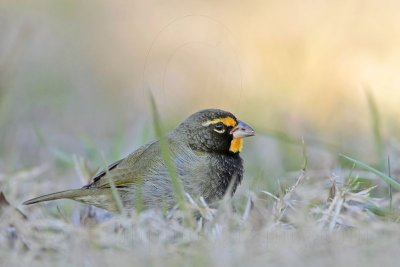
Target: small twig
247, 210
338, 208
271, 195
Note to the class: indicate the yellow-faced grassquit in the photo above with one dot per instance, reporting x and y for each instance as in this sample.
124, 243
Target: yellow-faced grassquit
205, 150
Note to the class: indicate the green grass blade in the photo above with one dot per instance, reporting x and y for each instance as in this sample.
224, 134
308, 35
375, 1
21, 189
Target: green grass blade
385, 178
390, 187
376, 125
114, 191
166, 154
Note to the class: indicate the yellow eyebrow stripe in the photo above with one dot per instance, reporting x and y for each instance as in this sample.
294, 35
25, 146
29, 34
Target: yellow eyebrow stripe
228, 121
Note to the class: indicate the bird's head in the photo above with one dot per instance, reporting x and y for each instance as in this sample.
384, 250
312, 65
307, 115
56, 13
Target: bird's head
214, 130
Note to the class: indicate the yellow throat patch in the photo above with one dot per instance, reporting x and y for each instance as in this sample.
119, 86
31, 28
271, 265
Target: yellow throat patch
236, 145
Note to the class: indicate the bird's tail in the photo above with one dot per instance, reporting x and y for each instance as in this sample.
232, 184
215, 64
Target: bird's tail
99, 197
68, 194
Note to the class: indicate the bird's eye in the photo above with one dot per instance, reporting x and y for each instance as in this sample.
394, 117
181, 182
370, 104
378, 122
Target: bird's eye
219, 128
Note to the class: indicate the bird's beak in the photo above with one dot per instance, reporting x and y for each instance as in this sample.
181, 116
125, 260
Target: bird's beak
242, 130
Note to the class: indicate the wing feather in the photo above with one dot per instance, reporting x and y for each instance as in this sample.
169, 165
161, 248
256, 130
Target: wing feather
130, 170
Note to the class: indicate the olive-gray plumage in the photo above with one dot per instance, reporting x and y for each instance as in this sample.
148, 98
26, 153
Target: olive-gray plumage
204, 161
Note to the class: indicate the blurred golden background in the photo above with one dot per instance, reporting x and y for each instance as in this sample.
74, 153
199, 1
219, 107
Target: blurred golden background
75, 75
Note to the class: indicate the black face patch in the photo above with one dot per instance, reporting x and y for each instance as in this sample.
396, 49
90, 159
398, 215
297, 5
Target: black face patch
209, 130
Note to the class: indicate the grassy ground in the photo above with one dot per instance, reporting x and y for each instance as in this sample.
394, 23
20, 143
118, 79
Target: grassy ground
345, 215
318, 82
317, 221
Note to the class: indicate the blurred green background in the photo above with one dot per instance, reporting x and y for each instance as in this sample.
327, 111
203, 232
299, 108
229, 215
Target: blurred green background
75, 75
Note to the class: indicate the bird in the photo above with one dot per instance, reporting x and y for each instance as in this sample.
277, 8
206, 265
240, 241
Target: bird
205, 150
